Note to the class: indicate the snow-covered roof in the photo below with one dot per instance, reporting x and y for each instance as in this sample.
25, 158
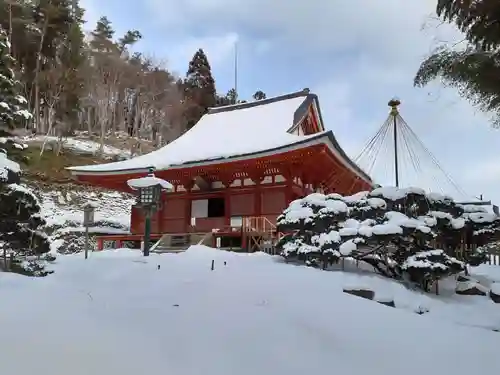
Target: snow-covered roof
236, 132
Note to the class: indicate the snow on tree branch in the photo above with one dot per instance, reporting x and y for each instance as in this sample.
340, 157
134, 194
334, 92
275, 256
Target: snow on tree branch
403, 225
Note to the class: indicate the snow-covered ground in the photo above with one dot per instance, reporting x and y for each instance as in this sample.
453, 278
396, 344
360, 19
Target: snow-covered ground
120, 313
63, 213
82, 145
62, 209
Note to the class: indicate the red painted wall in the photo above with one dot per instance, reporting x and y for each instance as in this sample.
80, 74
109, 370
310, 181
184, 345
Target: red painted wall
177, 208
242, 204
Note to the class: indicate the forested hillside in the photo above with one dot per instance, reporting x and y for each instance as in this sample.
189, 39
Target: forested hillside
80, 80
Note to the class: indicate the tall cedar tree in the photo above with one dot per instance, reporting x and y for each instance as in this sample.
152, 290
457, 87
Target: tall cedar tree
199, 88
475, 69
13, 110
57, 66
72, 59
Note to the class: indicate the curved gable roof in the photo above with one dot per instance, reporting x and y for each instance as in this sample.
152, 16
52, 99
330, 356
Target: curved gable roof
233, 131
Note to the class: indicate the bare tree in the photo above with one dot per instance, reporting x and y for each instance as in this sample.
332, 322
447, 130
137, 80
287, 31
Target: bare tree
53, 79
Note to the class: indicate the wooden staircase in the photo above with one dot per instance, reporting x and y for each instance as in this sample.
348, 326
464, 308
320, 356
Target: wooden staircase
260, 234
176, 243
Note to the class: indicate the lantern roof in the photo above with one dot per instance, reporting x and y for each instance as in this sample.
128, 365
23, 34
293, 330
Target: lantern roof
149, 181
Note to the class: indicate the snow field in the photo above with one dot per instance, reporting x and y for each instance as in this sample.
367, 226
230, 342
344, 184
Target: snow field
118, 313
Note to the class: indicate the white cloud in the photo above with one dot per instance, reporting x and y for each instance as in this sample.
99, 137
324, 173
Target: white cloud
385, 27
457, 136
372, 50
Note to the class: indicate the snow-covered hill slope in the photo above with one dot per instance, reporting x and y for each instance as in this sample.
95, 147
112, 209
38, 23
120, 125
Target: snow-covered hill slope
65, 209
80, 146
63, 212
120, 313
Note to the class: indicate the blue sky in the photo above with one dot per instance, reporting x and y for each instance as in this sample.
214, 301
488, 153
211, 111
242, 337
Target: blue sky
356, 55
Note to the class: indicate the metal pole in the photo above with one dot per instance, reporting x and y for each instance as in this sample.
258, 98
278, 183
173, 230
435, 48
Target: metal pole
394, 103
86, 241
235, 72
147, 231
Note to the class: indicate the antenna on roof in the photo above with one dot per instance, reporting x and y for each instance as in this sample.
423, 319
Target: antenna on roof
235, 71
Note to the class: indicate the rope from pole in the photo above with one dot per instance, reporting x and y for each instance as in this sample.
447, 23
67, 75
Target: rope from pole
408, 154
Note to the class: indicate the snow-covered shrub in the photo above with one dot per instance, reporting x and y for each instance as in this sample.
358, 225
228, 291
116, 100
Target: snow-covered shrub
71, 240
313, 221
402, 233
430, 265
9, 169
20, 220
33, 267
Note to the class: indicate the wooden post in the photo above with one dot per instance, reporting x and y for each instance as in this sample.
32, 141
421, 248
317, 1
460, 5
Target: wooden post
86, 242
88, 220
147, 232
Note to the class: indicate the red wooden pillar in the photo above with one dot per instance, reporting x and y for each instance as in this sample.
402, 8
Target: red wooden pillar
227, 180
187, 212
227, 207
159, 214
188, 185
257, 176
258, 199
288, 175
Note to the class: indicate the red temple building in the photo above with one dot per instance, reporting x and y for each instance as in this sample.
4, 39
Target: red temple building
236, 170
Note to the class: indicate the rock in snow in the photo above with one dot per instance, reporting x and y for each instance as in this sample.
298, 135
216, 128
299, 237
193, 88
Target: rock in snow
495, 292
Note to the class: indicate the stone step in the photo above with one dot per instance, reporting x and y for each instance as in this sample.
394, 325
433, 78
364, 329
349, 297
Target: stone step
162, 249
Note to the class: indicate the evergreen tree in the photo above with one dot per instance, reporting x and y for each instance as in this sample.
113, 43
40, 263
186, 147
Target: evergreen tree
259, 95
479, 20
102, 36
71, 60
232, 96
199, 79
13, 108
472, 68
74, 84
402, 233
20, 211
199, 86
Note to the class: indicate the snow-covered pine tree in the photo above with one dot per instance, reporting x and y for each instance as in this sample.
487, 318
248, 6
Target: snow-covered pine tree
199, 88
19, 218
9, 170
13, 106
313, 224
402, 233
